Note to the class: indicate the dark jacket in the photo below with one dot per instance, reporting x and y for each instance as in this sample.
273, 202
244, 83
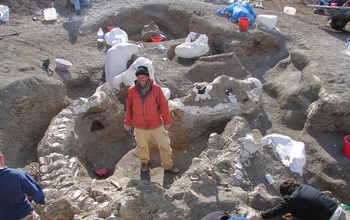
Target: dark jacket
305, 203
15, 186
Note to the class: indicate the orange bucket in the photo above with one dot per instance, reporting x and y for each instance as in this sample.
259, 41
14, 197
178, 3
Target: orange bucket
243, 24
346, 148
156, 39
111, 28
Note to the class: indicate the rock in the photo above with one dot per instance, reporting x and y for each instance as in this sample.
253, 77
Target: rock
303, 90
149, 31
22, 100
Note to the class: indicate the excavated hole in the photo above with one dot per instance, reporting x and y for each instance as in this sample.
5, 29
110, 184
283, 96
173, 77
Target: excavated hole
175, 25
170, 21
105, 142
257, 51
97, 125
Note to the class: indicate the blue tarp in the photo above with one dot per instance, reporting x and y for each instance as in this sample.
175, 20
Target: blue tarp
238, 10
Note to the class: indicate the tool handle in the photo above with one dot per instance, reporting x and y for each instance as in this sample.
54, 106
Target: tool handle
117, 185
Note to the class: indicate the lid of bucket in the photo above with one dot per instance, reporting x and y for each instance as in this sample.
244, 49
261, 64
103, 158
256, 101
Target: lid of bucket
64, 62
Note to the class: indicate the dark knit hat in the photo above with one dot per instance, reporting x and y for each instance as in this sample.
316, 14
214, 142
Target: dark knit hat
142, 70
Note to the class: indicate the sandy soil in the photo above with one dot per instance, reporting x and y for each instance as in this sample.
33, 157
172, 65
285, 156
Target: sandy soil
38, 40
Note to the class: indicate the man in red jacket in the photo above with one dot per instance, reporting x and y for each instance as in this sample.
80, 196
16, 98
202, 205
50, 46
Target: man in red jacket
147, 110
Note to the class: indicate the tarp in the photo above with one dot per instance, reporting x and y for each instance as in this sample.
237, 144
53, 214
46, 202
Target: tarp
238, 10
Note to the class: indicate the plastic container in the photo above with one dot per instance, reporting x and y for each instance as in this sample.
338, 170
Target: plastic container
289, 10
347, 47
4, 13
156, 39
346, 148
50, 14
100, 35
243, 24
269, 179
63, 65
268, 21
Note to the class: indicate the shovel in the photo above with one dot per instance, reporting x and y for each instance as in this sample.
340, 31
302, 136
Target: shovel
134, 144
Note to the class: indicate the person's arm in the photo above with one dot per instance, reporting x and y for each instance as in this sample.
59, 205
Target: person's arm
32, 189
279, 210
128, 112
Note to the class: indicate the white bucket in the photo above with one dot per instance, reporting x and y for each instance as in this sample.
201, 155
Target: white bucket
63, 65
289, 10
50, 14
268, 21
4, 13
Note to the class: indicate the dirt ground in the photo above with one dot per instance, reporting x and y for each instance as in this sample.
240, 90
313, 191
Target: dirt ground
38, 40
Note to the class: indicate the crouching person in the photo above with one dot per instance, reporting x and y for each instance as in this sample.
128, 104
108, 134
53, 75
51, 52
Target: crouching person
15, 187
304, 203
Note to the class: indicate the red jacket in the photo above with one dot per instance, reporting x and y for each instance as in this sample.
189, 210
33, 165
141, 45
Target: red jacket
147, 114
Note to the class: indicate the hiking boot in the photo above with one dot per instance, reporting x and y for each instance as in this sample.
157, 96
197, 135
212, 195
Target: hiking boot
173, 170
78, 12
144, 167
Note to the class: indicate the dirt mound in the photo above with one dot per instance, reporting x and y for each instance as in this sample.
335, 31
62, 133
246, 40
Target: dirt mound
299, 63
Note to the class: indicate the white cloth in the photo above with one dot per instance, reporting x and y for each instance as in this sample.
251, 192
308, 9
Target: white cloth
292, 153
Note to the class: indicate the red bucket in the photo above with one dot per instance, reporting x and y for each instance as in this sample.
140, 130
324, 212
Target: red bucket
243, 24
346, 148
156, 39
111, 28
